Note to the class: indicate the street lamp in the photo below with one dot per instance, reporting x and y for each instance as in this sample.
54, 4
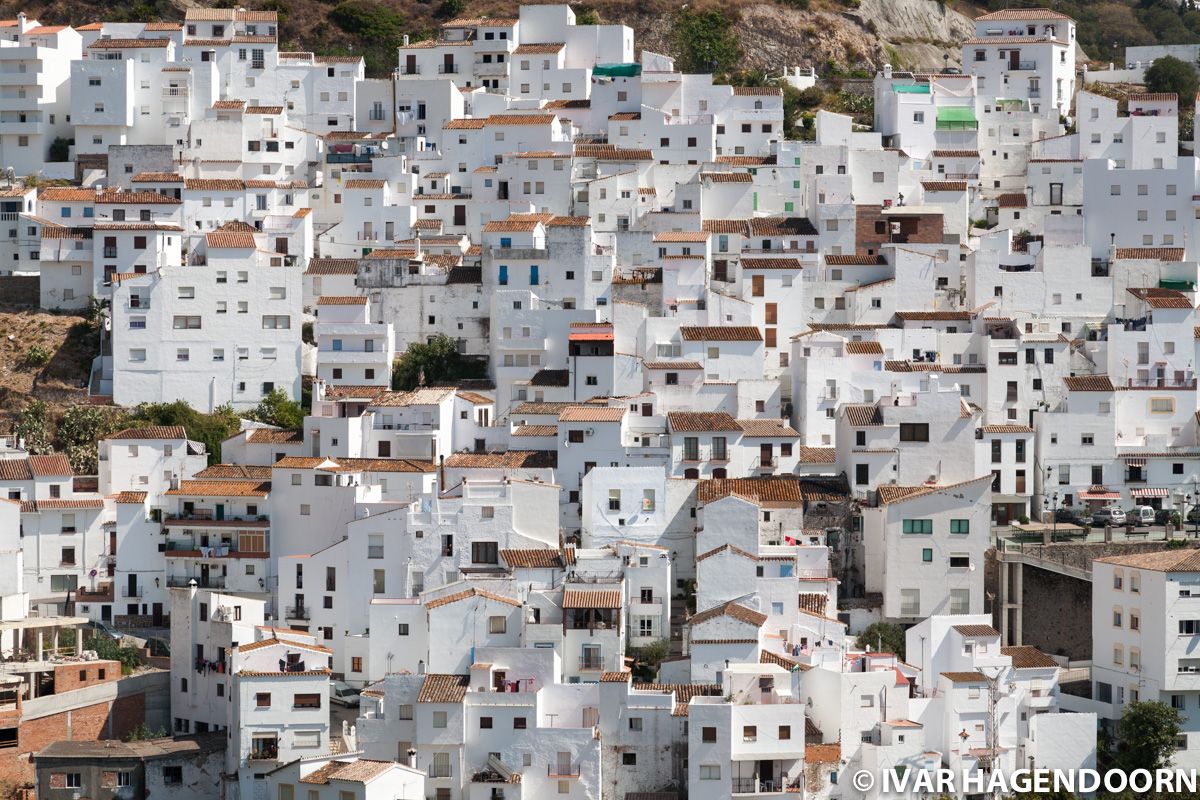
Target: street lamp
1053, 499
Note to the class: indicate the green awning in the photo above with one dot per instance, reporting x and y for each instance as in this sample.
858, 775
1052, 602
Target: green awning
1183, 286
617, 70
910, 88
956, 114
956, 118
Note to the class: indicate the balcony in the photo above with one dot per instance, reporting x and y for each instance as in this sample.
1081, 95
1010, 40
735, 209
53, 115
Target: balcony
183, 581
406, 426
562, 770
347, 158
447, 69
1022, 66
176, 91
587, 664
264, 750
133, 593
297, 612
414, 70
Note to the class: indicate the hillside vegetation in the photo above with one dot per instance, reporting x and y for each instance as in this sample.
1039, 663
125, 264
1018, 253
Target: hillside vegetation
849, 35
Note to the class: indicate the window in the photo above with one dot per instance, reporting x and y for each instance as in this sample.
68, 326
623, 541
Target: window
917, 526
485, 723
484, 553
635, 723
960, 526
710, 772
262, 700
629, 759
497, 624
914, 431
708, 734
439, 719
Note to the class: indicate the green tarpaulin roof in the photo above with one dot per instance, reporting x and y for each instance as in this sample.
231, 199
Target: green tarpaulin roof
618, 70
955, 114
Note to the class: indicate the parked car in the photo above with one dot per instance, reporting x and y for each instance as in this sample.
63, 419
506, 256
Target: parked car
1110, 515
1193, 515
1164, 515
343, 694
1070, 515
1140, 515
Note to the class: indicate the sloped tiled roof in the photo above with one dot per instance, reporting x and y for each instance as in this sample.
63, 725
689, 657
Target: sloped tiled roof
1088, 383
151, 432
444, 688
720, 333
701, 421
732, 610
1028, 657
592, 597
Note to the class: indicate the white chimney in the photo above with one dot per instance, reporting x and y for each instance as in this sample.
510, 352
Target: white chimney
887, 72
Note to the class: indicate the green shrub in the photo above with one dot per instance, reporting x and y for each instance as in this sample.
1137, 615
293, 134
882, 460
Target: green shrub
37, 356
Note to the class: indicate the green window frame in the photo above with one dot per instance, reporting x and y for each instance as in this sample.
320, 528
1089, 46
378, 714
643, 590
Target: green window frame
927, 555
960, 526
918, 526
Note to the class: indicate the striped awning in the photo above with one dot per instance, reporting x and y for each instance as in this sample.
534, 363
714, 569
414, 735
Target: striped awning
1144, 492
1099, 495
1135, 462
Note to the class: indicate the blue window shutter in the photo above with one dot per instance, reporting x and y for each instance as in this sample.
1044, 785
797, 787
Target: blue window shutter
503, 275
533, 275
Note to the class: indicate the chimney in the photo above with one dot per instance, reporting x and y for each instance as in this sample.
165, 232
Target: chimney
887, 72
21, 22
406, 40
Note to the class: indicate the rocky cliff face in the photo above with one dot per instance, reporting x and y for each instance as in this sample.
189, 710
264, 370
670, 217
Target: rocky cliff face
907, 33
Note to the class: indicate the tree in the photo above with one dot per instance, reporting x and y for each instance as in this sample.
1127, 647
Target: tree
1170, 74
449, 9
33, 426
80, 428
885, 637
436, 362
279, 409
210, 429
60, 149
1147, 736
705, 42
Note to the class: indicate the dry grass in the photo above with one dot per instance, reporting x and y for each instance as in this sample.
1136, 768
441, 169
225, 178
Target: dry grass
61, 381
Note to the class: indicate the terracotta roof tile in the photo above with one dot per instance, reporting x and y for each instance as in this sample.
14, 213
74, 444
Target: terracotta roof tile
770, 490
444, 688
862, 415
1088, 383
689, 421
817, 455
131, 498
230, 241
469, 593
766, 428
274, 436
681, 236
223, 488
1177, 560
1162, 298
864, 348
976, 630
1028, 657
733, 610
1152, 253
532, 558
965, 677
591, 414
151, 432
1012, 200
946, 186
509, 459
720, 333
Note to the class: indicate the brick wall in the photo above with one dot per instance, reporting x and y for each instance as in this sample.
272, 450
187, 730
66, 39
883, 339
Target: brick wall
922, 228
68, 677
108, 720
